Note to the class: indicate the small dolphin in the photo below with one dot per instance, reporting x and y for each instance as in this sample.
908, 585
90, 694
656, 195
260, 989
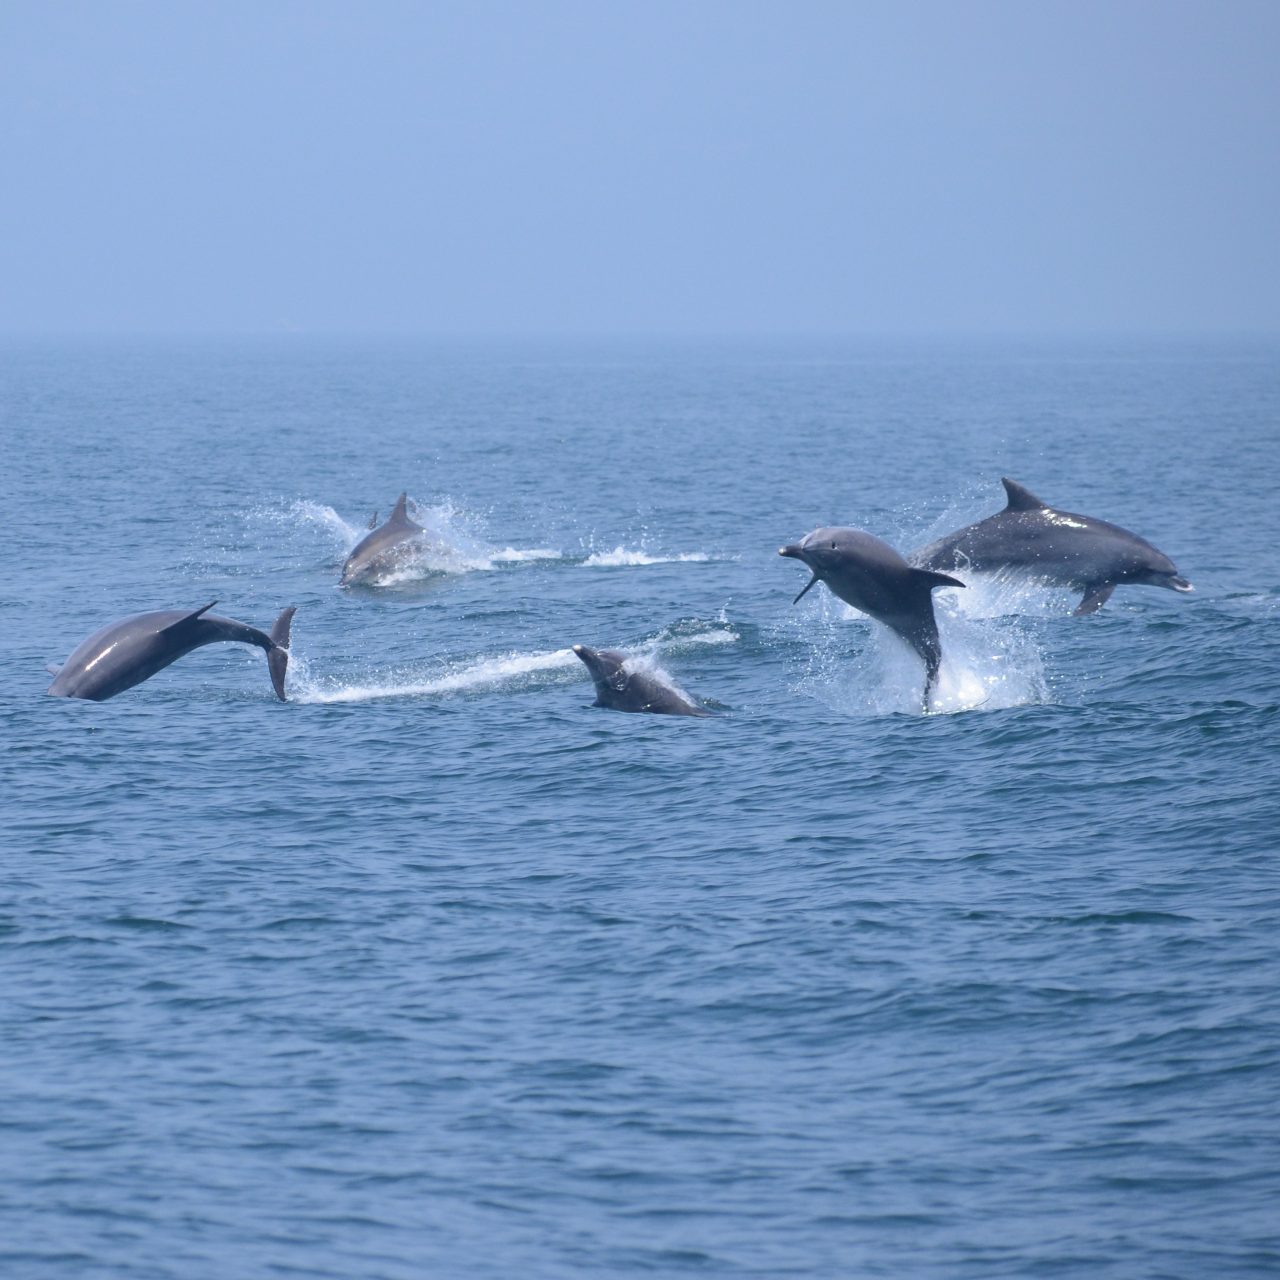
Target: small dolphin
1059, 548
872, 576
384, 548
622, 688
132, 650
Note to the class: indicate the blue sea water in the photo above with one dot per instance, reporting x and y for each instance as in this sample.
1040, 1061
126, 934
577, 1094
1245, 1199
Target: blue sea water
437, 970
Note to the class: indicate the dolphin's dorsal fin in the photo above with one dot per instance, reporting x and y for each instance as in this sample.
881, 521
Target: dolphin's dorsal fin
373, 521
400, 514
53, 667
191, 617
1021, 498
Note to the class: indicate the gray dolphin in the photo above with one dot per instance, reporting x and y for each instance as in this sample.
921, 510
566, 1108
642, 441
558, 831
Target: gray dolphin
872, 576
384, 548
132, 650
1059, 548
622, 688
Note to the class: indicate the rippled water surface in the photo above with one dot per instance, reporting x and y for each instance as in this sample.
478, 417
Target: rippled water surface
438, 970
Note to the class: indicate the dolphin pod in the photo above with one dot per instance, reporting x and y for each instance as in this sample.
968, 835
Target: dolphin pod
1059, 548
129, 651
1028, 538
872, 576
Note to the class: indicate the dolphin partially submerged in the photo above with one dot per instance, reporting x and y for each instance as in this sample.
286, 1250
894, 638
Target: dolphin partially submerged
129, 651
622, 687
1059, 548
872, 576
384, 548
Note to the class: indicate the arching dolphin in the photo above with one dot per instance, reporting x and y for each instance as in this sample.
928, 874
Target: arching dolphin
130, 651
620, 686
1059, 548
872, 576
384, 548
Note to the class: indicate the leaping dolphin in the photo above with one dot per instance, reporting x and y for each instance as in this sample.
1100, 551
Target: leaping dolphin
1059, 548
129, 651
621, 687
872, 576
384, 548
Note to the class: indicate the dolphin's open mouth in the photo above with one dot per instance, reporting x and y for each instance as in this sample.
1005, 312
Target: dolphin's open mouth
796, 553
1179, 583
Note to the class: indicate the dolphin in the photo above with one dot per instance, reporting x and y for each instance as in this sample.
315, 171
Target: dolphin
621, 687
1059, 548
872, 576
383, 548
129, 651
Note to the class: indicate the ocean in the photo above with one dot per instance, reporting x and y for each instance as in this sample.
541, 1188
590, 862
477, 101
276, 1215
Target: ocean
437, 970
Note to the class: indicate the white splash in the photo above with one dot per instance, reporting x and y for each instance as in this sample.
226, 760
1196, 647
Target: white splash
623, 556
677, 639
318, 517
986, 664
1006, 594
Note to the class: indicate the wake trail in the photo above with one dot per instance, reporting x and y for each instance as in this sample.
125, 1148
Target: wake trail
485, 673
512, 671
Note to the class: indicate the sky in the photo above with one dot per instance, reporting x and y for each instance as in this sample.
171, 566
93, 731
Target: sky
613, 167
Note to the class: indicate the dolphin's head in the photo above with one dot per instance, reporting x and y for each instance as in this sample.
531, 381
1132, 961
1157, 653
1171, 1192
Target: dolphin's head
1152, 568
827, 547
605, 666
825, 550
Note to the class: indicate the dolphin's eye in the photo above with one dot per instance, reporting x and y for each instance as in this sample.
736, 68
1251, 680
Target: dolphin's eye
833, 546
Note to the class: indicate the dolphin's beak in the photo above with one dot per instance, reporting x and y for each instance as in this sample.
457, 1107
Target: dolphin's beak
1179, 583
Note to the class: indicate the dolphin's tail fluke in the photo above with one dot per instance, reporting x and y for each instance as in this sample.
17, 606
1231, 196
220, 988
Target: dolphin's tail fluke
922, 636
278, 654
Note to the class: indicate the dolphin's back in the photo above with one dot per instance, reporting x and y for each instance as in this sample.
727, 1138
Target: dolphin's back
1061, 547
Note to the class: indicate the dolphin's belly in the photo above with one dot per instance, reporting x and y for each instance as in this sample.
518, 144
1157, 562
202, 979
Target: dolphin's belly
113, 660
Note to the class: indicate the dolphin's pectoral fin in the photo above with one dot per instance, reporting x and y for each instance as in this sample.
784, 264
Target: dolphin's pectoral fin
1020, 497
808, 584
1095, 596
934, 580
189, 618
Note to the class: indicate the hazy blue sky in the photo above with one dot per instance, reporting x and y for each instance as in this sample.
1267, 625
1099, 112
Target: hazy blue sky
588, 166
